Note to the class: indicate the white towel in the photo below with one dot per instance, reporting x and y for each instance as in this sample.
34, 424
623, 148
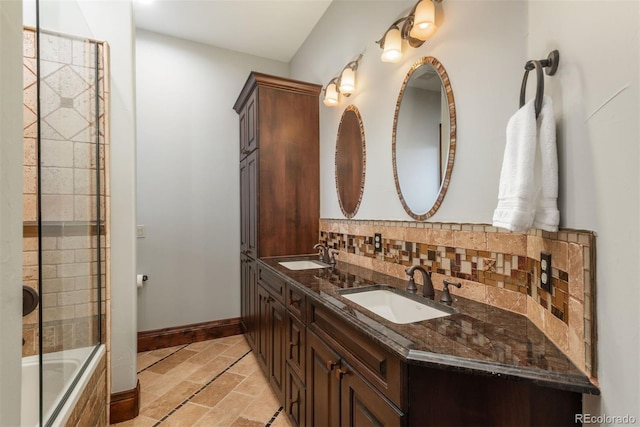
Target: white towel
547, 216
515, 194
528, 190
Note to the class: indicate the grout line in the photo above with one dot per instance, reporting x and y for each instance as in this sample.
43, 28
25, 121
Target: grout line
158, 361
272, 420
184, 402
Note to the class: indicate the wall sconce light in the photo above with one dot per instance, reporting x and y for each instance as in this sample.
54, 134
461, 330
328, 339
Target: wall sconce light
344, 84
417, 27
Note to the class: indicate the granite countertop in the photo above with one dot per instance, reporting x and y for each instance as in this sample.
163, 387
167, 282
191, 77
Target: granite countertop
479, 339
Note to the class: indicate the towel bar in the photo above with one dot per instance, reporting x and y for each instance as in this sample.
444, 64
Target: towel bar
550, 64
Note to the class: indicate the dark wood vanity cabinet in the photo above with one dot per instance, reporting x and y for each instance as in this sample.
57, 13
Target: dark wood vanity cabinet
338, 395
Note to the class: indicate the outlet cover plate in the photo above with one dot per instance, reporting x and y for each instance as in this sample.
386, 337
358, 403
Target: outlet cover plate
377, 242
545, 271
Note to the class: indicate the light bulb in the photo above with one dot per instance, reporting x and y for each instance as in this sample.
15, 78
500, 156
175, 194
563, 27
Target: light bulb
331, 95
392, 46
348, 81
424, 20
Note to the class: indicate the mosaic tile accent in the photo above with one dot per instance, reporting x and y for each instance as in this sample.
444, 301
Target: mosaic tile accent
495, 266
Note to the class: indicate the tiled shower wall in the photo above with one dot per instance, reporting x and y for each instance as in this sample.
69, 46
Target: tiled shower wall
68, 177
495, 267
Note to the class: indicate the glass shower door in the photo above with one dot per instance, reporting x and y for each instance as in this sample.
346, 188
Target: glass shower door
71, 211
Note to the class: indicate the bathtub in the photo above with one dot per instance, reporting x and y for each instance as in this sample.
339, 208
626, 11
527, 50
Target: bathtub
59, 372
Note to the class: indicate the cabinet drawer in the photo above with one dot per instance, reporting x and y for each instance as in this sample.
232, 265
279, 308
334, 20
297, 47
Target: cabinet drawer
275, 284
296, 302
375, 364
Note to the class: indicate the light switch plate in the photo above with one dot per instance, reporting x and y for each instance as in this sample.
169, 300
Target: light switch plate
140, 231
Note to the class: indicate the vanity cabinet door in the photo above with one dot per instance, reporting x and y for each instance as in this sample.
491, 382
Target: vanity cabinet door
296, 345
262, 328
362, 405
277, 350
323, 386
248, 298
295, 405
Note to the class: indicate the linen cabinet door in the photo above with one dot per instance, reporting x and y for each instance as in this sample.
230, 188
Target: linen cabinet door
248, 126
249, 206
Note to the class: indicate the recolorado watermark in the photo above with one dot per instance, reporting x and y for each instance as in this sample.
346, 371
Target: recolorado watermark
605, 419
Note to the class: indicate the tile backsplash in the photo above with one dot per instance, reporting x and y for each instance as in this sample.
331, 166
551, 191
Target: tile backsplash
494, 266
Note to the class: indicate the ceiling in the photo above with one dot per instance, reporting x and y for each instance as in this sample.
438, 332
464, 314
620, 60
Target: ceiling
273, 29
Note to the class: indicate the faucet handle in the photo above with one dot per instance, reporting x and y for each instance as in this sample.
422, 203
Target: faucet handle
446, 295
333, 253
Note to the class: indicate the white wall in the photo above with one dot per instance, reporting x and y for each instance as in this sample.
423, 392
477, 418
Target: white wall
11, 158
596, 99
188, 179
483, 46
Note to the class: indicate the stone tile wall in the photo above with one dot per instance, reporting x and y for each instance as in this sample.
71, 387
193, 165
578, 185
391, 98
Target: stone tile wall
494, 266
69, 173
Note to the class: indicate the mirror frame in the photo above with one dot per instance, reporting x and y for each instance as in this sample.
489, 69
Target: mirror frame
444, 184
355, 110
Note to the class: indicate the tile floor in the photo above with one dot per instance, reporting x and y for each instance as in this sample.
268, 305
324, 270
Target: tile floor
205, 384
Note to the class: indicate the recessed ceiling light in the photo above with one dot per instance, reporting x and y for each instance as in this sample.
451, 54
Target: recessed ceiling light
145, 1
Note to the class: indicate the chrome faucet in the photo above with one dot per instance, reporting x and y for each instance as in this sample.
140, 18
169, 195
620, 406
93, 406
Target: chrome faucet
427, 284
323, 253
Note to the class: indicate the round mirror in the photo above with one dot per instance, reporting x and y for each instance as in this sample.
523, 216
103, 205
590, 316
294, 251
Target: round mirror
424, 138
350, 161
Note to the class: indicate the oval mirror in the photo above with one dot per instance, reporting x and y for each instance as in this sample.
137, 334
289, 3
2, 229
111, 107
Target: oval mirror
350, 161
424, 138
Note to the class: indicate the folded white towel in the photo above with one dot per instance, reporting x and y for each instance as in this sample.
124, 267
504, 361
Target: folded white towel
515, 195
547, 216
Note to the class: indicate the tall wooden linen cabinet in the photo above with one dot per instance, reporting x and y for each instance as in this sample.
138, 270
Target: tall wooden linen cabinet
279, 184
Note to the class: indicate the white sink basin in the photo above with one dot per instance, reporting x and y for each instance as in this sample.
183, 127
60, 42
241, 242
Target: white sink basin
394, 307
303, 265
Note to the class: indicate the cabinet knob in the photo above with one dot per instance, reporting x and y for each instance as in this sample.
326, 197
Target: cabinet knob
293, 344
296, 301
331, 364
339, 373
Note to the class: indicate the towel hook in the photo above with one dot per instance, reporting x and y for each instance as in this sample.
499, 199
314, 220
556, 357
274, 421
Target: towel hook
550, 65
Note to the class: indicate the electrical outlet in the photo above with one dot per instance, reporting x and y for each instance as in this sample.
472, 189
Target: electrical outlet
545, 271
377, 242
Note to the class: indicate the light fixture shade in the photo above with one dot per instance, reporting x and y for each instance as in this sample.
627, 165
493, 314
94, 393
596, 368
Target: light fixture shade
424, 20
348, 81
392, 46
331, 95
